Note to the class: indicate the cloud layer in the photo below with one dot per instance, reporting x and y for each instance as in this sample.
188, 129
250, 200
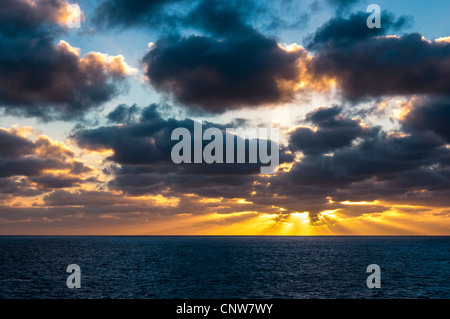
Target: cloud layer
374, 152
38, 78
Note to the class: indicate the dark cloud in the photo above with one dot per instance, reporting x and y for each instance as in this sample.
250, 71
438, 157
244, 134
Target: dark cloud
340, 31
131, 13
12, 145
143, 164
26, 166
365, 164
348, 161
381, 157
123, 114
223, 68
52, 182
332, 131
212, 16
39, 78
429, 114
214, 74
221, 17
148, 141
80, 169
83, 198
21, 17
20, 187
143, 142
21, 156
178, 183
368, 65
227, 66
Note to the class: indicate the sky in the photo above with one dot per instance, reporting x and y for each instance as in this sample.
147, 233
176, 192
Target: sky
91, 91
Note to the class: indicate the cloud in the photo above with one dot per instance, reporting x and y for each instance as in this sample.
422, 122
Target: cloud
209, 15
17, 187
348, 162
141, 162
31, 166
53, 182
429, 113
224, 67
334, 167
39, 78
367, 63
222, 18
331, 131
215, 75
124, 13
13, 145
382, 157
339, 31
227, 66
123, 114
19, 156
24, 16
375, 172
84, 198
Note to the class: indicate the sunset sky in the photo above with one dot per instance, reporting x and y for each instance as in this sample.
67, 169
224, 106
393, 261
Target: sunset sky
87, 115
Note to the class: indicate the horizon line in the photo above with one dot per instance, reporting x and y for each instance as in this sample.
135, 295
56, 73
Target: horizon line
61, 235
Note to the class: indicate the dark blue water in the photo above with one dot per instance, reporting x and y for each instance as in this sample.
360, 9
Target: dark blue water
224, 267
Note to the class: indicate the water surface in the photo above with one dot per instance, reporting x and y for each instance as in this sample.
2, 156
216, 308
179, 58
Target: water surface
224, 267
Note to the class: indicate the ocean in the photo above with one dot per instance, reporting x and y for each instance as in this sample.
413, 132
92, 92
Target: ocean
165, 267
